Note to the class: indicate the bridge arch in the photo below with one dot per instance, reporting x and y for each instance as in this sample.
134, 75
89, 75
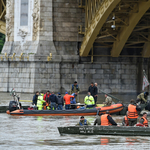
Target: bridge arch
96, 24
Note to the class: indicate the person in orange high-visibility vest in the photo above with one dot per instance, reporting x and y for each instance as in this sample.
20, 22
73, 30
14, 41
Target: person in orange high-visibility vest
133, 112
125, 121
67, 100
106, 120
143, 120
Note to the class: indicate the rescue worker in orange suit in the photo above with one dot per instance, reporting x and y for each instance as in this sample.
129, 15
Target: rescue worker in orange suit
125, 121
144, 120
67, 100
106, 120
133, 112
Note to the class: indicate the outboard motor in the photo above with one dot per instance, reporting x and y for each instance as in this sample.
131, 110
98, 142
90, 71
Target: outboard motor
13, 106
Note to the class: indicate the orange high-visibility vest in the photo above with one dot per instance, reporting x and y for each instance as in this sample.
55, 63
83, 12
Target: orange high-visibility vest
126, 120
145, 123
132, 112
104, 120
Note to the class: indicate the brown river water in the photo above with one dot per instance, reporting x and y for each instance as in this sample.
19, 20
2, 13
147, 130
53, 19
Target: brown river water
40, 133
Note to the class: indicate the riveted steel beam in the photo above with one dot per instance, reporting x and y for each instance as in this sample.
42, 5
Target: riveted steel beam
2, 14
126, 31
95, 23
146, 49
2, 27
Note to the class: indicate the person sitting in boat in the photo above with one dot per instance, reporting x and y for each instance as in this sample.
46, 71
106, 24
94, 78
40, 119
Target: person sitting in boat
107, 120
108, 101
73, 100
34, 101
60, 101
133, 112
40, 102
67, 100
125, 121
143, 120
89, 101
83, 121
98, 120
142, 97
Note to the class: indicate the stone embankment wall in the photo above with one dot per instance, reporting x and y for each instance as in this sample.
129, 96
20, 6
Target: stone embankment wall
32, 76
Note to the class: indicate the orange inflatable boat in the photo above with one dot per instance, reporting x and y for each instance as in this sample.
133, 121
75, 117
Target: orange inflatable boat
71, 112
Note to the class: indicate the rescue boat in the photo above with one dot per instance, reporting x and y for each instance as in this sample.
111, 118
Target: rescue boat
71, 112
106, 130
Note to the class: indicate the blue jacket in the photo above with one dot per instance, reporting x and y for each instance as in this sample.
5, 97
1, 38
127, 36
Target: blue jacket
74, 99
85, 122
52, 98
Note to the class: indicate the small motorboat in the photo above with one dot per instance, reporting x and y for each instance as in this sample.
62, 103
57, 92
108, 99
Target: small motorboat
106, 130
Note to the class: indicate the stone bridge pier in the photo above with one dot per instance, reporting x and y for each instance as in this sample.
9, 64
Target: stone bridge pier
41, 52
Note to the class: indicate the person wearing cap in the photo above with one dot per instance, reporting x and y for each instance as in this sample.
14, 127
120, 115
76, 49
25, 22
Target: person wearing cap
67, 100
83, 121
143, 120
142, 97
60, 101
75, 88
133, 109
89, 101
107, 120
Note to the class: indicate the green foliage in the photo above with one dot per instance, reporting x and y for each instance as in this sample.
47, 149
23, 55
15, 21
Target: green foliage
2, 41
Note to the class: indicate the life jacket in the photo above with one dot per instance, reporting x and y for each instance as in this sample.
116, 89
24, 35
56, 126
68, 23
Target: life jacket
77, 87
132, 112
104, 120
85, 122
126, 120
145, 123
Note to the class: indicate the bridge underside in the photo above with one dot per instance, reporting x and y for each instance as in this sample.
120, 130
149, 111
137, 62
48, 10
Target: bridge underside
121, 27
2, 16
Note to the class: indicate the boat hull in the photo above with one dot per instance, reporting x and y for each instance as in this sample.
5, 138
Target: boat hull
105, 130
71, 112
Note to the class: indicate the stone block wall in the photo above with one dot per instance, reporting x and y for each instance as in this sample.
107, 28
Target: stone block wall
111, 77
67, 17
18, 75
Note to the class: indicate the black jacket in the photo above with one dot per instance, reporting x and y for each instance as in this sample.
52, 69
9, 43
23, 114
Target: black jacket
35, 99
52, 98
111, 120
92, 90
60, 100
